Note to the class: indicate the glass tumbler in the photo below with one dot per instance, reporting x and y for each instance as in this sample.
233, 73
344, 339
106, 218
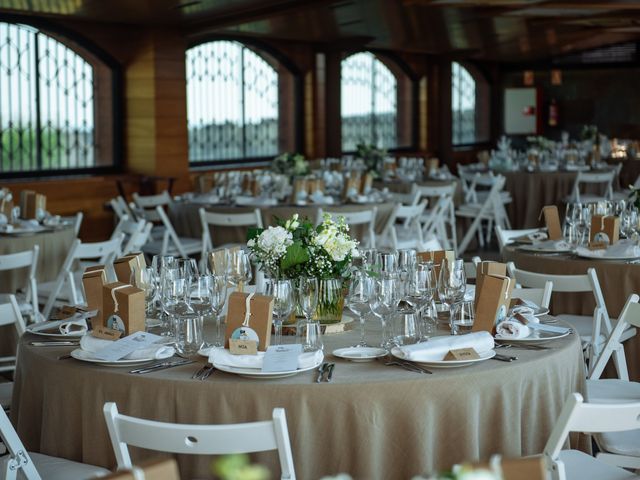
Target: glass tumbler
188, 334
309, 335
462, 316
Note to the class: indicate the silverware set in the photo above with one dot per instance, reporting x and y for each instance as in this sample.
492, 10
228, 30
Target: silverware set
204, 372
55, 343
325, 372
161, 366
522, 346
504, 358
408, 366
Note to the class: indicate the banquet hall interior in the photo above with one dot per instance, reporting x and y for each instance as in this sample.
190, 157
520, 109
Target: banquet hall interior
321, 239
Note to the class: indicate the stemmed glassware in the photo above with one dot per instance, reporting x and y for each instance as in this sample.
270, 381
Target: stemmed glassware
307, 299
451, 286
173, 299
384, 304
282, 293
238, 268
218, 299
200, 297
421, 289
359, 299
146, 279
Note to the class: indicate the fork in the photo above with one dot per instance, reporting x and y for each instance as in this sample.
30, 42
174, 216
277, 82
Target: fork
204, 372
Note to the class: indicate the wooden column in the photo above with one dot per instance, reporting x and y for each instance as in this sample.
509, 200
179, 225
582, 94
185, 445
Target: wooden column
439, 115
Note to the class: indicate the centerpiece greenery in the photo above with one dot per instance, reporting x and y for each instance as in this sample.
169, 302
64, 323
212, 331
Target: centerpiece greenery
373, 158
291, 164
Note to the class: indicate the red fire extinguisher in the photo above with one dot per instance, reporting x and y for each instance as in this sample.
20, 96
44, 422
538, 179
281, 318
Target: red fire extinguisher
554, 113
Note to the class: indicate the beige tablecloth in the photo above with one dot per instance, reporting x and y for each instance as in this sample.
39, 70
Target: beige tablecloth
617, 280
372, 421
186, 221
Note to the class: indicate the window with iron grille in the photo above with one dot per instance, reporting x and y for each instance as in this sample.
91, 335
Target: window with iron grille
463, 105
232, 103
368, 103
47, 105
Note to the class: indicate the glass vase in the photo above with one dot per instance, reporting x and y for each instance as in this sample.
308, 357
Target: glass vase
330, 301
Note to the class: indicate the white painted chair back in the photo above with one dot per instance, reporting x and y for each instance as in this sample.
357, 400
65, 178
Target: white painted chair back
630, 316
170, 237
119, 207
408, 234
539, 296
439, 222
410, 198
199, 439
213, 219
604, 178
106, 252
364, 217
505, 237
10, 314
77, 222
26, 259
136, 233
577, 416
19, 459
148, 204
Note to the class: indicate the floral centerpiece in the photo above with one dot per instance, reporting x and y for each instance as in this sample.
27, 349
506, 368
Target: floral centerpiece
294, 248
291, 164
372, 157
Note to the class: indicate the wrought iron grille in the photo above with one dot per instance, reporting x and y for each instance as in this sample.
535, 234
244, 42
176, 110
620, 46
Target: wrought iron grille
463, 105
232, 103
368, 98
46, 103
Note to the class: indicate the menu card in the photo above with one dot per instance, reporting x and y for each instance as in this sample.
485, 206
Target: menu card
123, 347
493, 302
552, 221
281, 358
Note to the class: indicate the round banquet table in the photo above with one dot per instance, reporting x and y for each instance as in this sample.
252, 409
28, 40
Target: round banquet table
185, 219
372, 421
618, 280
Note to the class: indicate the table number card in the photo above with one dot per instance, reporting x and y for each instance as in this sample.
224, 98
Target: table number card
493, 302
552, 221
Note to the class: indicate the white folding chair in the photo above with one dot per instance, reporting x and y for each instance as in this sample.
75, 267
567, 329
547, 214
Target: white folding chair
617, 448
410, 198
55, 291
492, 210
364, 217
36, 466
212, 219
577, 416
171, 243
9, 314
592, 178
136, 233
403, 229
441, 219
592, 329
471, 268
120, 207
199, 439
505, 237
149, 204
28, 300
539, 296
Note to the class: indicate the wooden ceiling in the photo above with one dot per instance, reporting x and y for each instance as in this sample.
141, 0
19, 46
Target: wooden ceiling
499, 30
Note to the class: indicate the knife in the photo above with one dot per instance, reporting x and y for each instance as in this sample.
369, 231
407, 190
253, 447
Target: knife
56, 343
504, 358
161, 366
331, 367
321, 370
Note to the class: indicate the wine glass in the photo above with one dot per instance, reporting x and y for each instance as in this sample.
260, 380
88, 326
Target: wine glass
385, 303
282, 293
174, 294
359, 299
200, 297
218, 299
238, 268
451, 286
421, 289
146, 280
307, 299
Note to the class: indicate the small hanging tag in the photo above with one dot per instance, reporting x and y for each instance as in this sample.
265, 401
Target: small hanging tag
115, 322
244, 341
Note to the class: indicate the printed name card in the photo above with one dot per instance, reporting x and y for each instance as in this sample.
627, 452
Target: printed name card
106, 333
488, 268
493, 302
597, 245
462, 354
238, 346
281, 358
123, 347
604, 229
552, 221
259, 317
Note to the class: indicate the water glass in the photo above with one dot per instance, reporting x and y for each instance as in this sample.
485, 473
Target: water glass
451, 285
406, 328
238, 268
388, 261
188, 334
218, 299
282, 293
359, 299
310, 335
463, 316
200, 297
384, 304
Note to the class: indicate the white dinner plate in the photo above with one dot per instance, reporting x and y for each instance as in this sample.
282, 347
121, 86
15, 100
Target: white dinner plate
204, 352
446, 363
536, 336
30, 329
594, 256
83, 356
537, 311
259, 374
544, 249
359, 354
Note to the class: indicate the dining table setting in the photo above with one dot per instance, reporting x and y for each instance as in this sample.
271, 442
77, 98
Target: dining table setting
449, 357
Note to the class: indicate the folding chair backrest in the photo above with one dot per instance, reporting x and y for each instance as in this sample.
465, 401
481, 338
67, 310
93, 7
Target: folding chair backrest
594, 178
10, 312
134, 233
19, 458
539, 296
352, 218
77, 223
119, 206
410, 198
152, 201
577, 416
26, 259
505, 237
105, 251
207, 219
199, 439
436, 190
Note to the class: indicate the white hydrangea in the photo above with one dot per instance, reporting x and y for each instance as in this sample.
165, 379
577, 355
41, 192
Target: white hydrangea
336, 244
274, 241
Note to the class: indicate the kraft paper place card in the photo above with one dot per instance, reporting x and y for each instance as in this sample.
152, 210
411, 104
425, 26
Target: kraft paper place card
436, 256
259, 318
93, 279
493, 302
123, 307
125, 266
552, 221
488, 268
462, 354
123, 347
281, 358
604, 229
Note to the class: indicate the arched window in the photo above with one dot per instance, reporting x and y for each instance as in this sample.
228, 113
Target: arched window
232, 103
463, 105
48, 118
369, 95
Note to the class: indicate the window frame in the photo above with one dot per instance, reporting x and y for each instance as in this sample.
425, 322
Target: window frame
264, 51
68, 38
482, 89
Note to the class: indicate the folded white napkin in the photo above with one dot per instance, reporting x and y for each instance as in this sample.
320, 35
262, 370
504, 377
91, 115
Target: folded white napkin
525, 307
438, 347
221, 356
91, 344
3, 219
7, 228
512, 330
68, 326
553, 245
537, 236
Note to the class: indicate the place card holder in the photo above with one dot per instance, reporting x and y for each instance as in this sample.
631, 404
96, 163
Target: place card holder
493, 302
488, 268
30, 203
552, 221
601, 226
366, 184
259, 317
123, 308
125, 266
93, 281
